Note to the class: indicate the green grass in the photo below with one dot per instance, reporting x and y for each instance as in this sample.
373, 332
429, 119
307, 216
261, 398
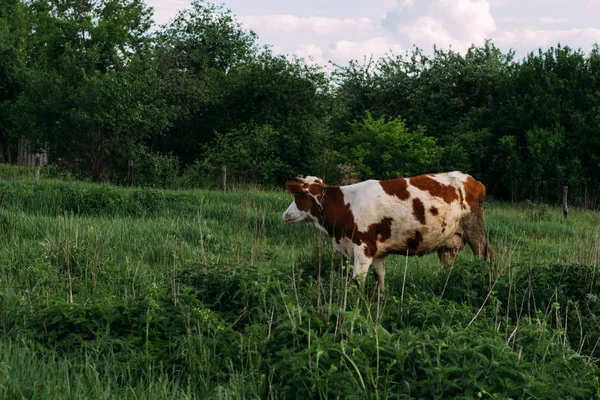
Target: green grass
109, 292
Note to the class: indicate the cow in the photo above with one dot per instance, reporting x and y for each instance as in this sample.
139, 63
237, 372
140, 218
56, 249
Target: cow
409, 216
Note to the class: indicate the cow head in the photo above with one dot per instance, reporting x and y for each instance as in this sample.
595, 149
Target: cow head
307, 194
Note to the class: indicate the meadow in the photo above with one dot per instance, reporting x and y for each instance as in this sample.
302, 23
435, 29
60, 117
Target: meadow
130, 293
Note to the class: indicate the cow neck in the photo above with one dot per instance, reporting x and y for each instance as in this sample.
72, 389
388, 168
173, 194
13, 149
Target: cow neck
333, 214
322, 202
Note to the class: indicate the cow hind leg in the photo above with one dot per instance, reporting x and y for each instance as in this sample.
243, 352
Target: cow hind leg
474, 234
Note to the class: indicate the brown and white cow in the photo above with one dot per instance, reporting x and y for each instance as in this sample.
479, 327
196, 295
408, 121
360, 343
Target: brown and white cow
414, 216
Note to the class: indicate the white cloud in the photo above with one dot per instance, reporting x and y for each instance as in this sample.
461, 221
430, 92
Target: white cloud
311, 53
459, 23
344, 50
164, 11
553, 20
530, 39
339, 30
319, 25
321, 38
514, 20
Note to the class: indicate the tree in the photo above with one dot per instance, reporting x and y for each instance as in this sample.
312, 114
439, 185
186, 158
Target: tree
13, 28
544, 162
510, 171
197, 52
291, 97
91, 66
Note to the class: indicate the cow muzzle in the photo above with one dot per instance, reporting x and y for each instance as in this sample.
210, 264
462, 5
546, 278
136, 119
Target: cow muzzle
289, 218
292, 215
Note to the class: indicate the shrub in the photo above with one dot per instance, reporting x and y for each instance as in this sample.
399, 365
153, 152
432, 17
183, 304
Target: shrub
387, 149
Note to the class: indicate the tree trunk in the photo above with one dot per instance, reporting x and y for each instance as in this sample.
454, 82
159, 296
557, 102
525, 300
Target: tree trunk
565, 206
224, 178
36, 167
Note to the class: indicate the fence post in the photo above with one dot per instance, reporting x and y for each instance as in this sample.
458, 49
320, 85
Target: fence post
224, 178
36, 167
565, 206
130, 172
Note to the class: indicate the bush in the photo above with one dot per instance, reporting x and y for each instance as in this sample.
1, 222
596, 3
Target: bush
155, 170
56, 198
387, 149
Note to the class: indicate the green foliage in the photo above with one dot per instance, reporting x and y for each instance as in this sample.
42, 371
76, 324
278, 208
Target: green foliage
157, 293
154, 170
509, 162
251, 155
101, 94
92, 84
55, 198
261, 114
293, 99
408, 363
15, 172
386, 149
544, 150
196, 54
525, 128
13, 29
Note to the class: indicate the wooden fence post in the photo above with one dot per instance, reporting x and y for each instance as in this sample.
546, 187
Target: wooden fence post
130, 172
224, 178
565, 206
36, 167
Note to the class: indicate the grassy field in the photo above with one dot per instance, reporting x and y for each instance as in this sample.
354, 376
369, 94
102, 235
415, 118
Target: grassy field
108, 292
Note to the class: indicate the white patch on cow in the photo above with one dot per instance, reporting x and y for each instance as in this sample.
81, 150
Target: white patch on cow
454, 178
344, 246
361, 197
293, 215
312, 179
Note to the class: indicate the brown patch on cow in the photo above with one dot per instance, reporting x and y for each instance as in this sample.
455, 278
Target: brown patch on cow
433, 210
444, 225
419, 210
302, 200
338, 220
474, 192
294, 188
396, 187
413, 242
435, 188
379, 232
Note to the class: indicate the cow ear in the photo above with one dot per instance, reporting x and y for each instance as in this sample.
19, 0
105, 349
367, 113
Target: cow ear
295, 188
301, 179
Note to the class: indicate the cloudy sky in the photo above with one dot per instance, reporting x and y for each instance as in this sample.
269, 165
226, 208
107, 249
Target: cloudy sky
341, 30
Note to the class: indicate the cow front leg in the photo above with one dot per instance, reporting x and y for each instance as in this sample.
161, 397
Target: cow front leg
379, 270
361, 267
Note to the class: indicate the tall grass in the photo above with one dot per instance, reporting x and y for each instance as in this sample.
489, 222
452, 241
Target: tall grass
109, 292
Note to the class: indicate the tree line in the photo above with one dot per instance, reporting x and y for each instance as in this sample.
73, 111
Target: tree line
98, 84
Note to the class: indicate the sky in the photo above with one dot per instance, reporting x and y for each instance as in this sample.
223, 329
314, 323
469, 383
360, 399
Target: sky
338, 31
